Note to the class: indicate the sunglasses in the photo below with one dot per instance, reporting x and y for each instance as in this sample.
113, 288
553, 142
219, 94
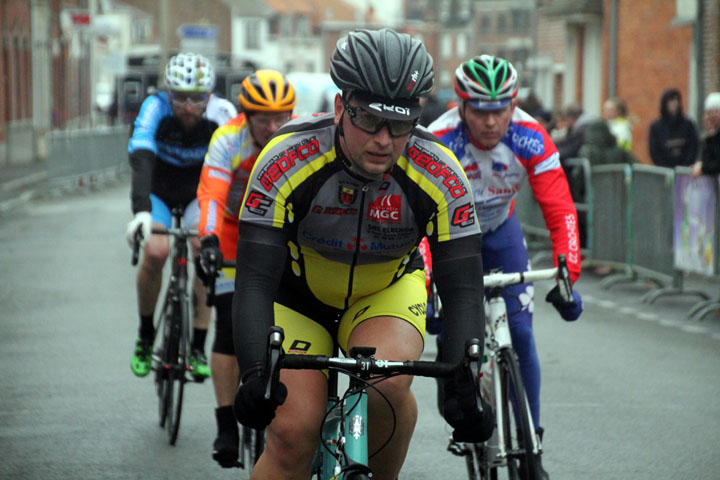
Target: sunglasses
193, 99
264, 122
369, 123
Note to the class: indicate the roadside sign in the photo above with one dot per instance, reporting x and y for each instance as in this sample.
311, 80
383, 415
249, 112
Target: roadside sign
197, 31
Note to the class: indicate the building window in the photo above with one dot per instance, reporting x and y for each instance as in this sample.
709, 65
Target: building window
445, 79
302, 27
502, 23
462, 45
252, 34
446, 45
486, 23
140, 30
285, 26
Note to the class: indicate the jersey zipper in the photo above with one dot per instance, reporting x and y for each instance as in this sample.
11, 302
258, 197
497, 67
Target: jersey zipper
357, 245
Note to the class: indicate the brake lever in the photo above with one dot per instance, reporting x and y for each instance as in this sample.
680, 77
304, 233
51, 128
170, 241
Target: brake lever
564, 283
275, 341
137, 241
473, 359
211, 277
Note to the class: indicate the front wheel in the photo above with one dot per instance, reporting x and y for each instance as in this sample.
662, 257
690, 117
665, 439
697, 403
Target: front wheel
161, 364
252, 446
178, 353
517, 428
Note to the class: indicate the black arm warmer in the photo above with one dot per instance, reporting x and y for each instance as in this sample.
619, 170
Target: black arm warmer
142, 163
261, 254
458, 274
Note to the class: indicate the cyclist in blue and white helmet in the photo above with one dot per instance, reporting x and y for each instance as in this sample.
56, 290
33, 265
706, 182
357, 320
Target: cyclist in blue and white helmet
189, 80
170, 137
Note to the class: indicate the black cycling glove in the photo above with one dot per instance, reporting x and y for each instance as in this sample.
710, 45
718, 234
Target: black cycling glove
461, 410
569, 311
250, 407
210, 257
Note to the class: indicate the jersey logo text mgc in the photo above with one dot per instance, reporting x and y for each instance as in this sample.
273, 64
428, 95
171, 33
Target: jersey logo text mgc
386, 209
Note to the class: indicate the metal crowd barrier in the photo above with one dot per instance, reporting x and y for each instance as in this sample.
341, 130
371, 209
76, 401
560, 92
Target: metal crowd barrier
634, 225
86, 156
21, 145
653, 225
651, 216
531, 218
612, 226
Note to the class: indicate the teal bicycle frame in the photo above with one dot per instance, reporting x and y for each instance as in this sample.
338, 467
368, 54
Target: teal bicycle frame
344, 434
343, 450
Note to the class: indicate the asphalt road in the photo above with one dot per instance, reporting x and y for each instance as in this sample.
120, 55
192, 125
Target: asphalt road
629, 391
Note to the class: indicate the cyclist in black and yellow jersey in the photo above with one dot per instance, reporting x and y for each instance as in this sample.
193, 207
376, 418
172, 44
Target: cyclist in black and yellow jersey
329, 228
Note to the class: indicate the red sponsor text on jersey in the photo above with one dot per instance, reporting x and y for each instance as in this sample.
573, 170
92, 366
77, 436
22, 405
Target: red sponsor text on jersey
437, 168
284, 161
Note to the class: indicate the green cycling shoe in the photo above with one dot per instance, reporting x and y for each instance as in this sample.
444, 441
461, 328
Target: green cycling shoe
199, 368
141, 362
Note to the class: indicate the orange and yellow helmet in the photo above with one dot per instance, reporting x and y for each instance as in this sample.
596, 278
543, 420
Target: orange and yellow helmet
266, 91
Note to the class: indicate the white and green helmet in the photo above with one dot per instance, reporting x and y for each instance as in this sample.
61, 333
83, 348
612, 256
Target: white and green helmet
189, 72
487, 82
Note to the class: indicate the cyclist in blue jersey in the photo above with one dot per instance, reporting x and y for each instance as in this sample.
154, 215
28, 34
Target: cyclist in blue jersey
499, 146
167, 147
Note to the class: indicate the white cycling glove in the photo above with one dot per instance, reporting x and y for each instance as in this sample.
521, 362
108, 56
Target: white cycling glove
142, 221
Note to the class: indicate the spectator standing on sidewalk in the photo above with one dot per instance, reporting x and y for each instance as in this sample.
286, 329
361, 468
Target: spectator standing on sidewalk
615, 113
673, 136
709, 163
574, 121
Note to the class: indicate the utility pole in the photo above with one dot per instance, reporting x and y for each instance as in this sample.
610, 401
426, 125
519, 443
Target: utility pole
163, 24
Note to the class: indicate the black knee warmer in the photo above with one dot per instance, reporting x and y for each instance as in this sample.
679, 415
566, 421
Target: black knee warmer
223, 325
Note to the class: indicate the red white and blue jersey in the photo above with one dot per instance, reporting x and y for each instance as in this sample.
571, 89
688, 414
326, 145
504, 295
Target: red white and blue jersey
496, 175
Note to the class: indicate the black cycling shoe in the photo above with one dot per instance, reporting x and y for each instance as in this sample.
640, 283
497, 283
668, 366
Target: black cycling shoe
226, 449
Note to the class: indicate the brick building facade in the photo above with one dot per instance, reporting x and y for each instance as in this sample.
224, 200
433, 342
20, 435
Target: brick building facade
653, 53
15, 62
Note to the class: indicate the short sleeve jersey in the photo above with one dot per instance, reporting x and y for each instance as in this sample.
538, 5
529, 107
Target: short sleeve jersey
347, 236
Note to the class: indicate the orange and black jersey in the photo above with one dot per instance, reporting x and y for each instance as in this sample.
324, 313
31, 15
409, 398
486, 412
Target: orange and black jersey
343, 237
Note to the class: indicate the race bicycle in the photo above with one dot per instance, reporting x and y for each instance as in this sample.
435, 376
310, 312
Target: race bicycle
343, 449
170, 359
514, 445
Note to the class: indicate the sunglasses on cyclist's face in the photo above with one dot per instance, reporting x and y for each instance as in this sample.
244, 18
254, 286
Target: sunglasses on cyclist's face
279, 120
369, 123
193, 99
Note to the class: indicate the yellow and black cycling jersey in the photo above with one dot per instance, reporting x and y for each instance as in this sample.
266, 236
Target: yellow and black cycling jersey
322, 241
347, 236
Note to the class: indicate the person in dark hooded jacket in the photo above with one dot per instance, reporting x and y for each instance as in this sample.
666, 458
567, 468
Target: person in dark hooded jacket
673, 136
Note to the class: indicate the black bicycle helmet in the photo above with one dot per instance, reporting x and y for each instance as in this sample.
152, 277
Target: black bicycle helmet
384, 63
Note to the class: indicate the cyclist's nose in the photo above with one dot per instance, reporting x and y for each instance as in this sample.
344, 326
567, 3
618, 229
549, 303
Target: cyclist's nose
383, 136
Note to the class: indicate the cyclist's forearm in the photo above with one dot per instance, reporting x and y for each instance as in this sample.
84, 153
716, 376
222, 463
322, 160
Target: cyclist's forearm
141, 165
259, 267
460, 286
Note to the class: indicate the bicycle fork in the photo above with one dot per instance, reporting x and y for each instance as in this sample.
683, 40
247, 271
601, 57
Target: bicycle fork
497, 338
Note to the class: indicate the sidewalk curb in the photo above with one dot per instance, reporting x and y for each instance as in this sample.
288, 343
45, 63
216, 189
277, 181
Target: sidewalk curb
19, 183
21, 199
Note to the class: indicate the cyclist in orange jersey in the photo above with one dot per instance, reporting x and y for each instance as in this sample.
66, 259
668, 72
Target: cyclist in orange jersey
267, 99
